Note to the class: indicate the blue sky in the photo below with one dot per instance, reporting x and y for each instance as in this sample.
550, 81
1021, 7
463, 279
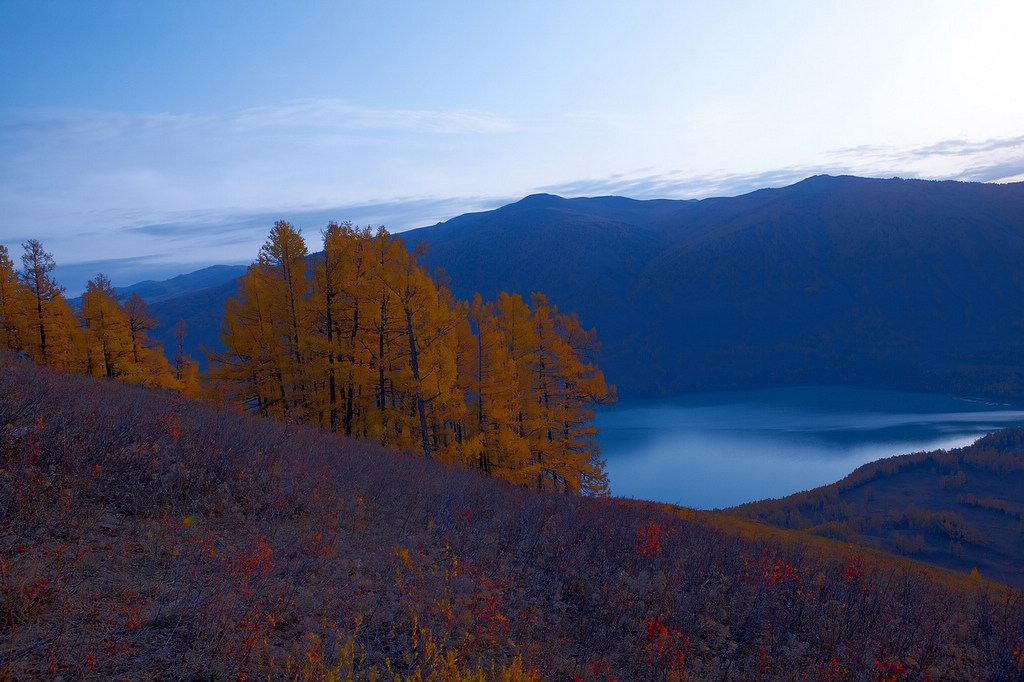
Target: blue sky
146, 138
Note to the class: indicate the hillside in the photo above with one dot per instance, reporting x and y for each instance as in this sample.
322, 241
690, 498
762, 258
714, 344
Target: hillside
962, 509
144, 536
153, 292
833, 281
203, 312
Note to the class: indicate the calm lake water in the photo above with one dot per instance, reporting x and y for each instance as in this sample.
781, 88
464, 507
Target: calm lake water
720, 449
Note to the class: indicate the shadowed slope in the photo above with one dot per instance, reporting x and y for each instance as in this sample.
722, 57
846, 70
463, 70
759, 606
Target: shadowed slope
961, 509
888, 283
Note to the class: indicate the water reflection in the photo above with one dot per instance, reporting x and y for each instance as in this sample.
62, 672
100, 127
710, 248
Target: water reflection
720, 449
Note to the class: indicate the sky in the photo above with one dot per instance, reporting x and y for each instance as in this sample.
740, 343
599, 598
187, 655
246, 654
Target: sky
147, 138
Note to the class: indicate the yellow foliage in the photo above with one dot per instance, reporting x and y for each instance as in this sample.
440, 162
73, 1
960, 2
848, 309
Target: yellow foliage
372, 347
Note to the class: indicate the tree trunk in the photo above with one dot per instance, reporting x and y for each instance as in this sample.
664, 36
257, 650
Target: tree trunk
421, 406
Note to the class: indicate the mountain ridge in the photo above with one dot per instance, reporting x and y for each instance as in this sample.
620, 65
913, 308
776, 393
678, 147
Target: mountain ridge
887, 283
154, 291
776, 276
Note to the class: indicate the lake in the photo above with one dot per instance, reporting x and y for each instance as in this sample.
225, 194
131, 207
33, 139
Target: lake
715, 450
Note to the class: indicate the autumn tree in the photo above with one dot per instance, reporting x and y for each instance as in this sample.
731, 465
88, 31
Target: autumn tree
52, 334
13, 302
497, 435
329, 275
140, 324
265, 327
282, 260
569, 386
108, 330
44, 291
186, 370
514, 321
447, 350
535, 387
391, 420
340, 303
246, 368
372, 346
117, 340
427, 319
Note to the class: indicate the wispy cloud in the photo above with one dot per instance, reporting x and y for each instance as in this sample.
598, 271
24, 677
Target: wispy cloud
992, 160
187, 241
62, 165
206, 188
229, 228
318, 115
82, 179
944, 148
299, 117
680, 184
988, 160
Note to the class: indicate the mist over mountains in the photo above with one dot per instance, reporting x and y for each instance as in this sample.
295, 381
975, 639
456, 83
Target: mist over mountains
893, 283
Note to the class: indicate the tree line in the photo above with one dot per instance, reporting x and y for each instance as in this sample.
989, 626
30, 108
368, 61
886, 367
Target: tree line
103, 337
357, 339
360, 340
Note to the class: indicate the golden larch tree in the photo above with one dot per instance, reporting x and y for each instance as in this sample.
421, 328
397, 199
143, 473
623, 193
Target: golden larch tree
53, 336
341, 326
247, 369
13, 304
107, 330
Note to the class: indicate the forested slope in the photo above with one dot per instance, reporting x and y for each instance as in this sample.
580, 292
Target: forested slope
962, 509
147, 536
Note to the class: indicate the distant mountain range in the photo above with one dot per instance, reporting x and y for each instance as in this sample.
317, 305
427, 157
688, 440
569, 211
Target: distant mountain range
155, 292
894, 283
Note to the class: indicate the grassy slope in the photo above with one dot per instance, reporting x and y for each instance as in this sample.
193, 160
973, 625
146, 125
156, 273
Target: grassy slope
144, 536
961, 509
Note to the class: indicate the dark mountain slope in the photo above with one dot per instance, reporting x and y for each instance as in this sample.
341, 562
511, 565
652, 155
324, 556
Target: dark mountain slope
202, 311
899, 283
960, 509
891, 283
152, 291
534, 245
